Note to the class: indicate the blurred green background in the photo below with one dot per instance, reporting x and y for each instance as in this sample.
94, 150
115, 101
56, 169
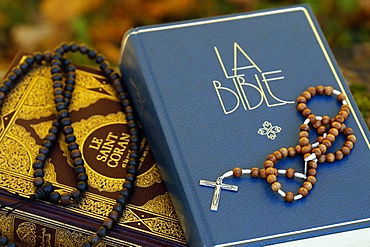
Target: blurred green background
33, 25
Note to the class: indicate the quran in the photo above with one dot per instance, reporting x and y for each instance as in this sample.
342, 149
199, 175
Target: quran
218, 93
100, 130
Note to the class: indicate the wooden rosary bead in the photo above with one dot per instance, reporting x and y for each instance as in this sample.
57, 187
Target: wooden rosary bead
316, 124
320, 90
334, 132
311, 179
339, 118
329, 90
325, 120
344, 114
271, 157
307, 185
312, 164
311, 172
304, 127
304, 141
336, 125
301, 99
327, 143
298, 149
348, 131
312, 118
307, 95
301, 107
290, 173
237, 172
345, 150
316, 151
348, 144
330, 137
102, 231
320, 139
306, 149
271, 170
312, 91
330, 157
275, 186
306, 112
303, 191
268, 163
341, 97
255, 172
351, 138
321, 130
263, 173
322, 148
291, 152
278, 155
322, 158
284, 152
271, 178
304, 134
339, 155
289, 197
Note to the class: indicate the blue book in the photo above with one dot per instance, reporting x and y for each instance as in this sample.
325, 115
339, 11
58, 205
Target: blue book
214, 94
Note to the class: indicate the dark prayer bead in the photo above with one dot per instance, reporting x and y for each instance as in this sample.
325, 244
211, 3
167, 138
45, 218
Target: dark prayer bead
67, 129
125, 192
108, 223
130, 185
38, 164
48, 188
70, 138
83, 49
99, 59
72, 146
79, 169
73, 47
4, 240
102, 231
104, 65
54, 197
114, 215
82, 186
38, 181
65, 198
119, 207
41, 157
76, 194
54, 130
82, 176
122, 199
94, 239
86, 244
130, 177
91, 54
38, 57
51, 137
38, 173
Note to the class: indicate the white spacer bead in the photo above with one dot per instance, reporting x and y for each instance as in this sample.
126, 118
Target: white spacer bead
344, 102
228, 174
318, 118
324, 135
310, 157
282, 171
297, 197
282, 193
246, 171
307, 121
336, 92
299, 175
316, 144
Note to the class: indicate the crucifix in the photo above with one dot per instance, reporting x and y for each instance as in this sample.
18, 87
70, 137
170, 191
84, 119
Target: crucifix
218, 185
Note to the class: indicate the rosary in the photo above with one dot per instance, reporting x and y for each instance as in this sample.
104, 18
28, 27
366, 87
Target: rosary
327, 129
64, 78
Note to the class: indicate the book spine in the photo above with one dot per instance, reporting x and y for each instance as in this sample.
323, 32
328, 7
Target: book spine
135, 70
27, 228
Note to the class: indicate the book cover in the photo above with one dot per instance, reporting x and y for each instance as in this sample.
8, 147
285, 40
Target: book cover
101, 131
214, 94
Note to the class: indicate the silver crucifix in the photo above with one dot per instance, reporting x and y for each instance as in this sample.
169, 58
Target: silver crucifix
218, 185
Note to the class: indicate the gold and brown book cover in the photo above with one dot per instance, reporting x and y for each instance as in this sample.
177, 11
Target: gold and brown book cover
101, 131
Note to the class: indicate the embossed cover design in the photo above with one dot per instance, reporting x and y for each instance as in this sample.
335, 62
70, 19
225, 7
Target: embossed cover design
101, 131
217, 93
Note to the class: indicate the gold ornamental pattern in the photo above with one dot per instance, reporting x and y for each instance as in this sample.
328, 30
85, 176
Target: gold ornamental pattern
7, 225
161, 205
26, 232
149, 177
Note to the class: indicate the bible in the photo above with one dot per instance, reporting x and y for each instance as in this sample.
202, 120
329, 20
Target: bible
216, 96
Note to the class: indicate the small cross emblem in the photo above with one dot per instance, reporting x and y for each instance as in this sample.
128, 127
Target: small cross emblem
218, 185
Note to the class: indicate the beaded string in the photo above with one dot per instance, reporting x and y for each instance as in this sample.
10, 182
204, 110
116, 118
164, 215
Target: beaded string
328, 130
61, 68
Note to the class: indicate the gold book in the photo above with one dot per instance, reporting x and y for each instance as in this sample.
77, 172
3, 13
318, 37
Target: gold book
101, 131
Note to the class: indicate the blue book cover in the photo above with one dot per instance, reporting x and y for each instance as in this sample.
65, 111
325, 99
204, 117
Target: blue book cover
214, 94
